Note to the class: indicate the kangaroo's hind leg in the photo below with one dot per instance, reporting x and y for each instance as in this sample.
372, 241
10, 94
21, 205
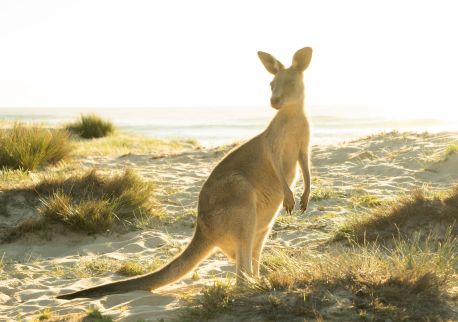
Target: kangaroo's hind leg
258, 246
244, 241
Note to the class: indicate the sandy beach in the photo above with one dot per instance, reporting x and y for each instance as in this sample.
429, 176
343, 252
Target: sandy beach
35, 268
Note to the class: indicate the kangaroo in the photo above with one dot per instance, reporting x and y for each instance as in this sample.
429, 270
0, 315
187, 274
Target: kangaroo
241, 198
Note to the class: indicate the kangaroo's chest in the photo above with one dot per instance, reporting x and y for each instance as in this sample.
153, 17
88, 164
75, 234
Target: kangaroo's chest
286, 150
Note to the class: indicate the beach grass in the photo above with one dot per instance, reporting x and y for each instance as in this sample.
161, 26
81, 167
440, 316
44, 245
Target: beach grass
323, 193
139, 267
91, 126
92, 314
407, 282
450, 150
93, 203
28, 147
365, 200
420, 210
13, 177
396, 264
103, 266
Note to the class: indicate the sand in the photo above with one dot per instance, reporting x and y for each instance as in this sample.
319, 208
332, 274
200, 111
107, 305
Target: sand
382, 165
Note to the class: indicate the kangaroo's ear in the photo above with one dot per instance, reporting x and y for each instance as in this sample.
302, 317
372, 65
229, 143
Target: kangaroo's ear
272, 65
301, 59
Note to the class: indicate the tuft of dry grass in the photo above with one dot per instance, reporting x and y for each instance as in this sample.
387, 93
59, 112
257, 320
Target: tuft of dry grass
92, 314
132, 268
12, 177
30, 147
365, 200
420, 211
91, 126
44, 315
93, 203
213, 301
323, 193
450, 150
103, 265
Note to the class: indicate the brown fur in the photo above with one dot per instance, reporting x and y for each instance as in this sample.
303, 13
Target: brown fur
241, 198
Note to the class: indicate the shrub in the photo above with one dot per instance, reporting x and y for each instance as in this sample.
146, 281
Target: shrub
29, 147
91, 126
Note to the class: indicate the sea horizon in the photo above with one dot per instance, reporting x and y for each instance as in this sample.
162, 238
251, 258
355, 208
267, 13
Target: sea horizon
222, 125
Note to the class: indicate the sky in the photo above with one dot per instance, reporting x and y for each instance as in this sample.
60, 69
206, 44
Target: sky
395, 56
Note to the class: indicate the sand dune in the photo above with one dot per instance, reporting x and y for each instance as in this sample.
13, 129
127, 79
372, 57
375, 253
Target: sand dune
35, 269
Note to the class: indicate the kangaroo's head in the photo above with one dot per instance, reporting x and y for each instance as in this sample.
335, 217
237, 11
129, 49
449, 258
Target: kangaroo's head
287, 85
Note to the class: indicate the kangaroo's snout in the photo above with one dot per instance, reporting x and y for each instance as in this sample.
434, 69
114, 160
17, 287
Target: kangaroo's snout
276, 102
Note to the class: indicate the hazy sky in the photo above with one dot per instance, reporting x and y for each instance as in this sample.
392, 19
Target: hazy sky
395, 55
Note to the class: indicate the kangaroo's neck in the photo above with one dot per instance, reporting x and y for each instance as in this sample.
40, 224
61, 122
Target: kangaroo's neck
286, 116
292, 110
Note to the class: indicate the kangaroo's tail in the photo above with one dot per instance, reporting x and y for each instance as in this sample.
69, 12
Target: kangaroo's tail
197, 250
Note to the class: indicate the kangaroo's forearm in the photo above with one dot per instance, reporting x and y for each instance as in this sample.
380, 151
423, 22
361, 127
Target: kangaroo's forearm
304, 162
282, 177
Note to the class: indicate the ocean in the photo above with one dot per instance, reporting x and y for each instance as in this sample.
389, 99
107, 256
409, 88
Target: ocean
221, 125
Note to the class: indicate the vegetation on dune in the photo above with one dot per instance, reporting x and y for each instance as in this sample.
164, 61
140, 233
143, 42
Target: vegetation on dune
91, 126
420, 211
323, 193
399, 265
30, 147
88, 202
213, 300
132, 268
450, 150
92, 314
104, 266
13, 174
12, 177
93, 203
408, 282
365, 200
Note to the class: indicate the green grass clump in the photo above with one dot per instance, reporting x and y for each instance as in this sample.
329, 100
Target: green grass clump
94, 203
419, 211
29, 147
91, 126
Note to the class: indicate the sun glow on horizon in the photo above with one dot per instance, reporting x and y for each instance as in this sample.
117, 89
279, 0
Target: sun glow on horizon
396, 57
